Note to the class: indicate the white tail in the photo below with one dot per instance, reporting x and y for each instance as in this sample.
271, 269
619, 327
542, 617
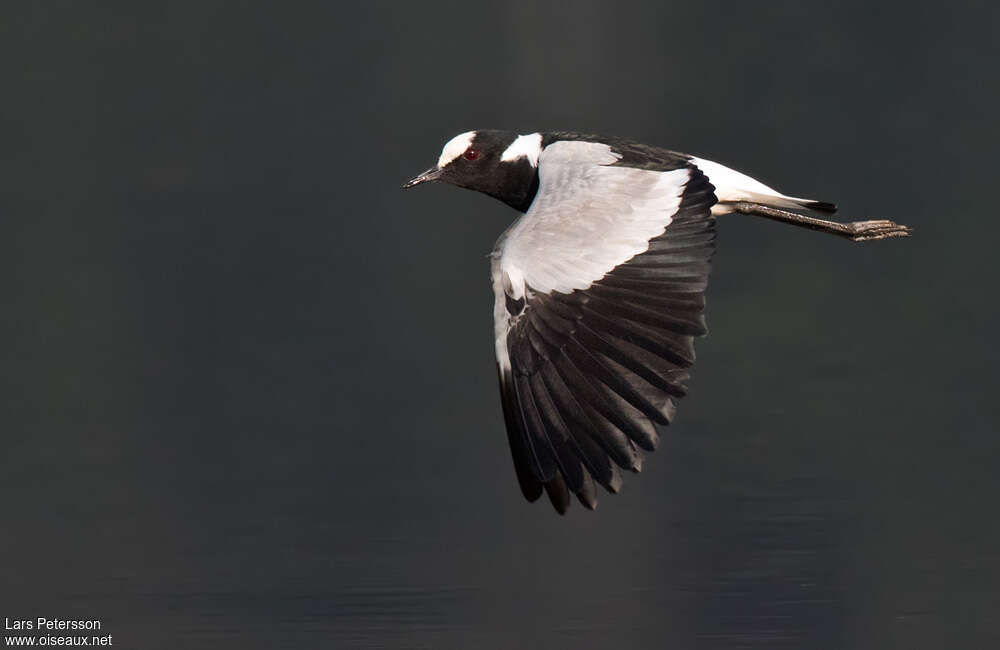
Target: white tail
731, 186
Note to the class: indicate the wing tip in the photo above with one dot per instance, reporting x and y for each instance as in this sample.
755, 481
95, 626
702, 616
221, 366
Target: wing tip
558, 494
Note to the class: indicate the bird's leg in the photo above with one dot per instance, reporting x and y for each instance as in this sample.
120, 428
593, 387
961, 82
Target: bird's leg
854, 230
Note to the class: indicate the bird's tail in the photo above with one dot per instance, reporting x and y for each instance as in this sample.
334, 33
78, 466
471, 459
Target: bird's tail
732, 186
777, 200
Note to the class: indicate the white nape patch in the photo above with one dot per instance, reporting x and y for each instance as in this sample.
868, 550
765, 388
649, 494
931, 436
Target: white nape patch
732, 186
456, 147
527, 146
587, 218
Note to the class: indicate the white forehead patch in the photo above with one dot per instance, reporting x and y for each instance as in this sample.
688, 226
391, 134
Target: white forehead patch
455, 147
528, 146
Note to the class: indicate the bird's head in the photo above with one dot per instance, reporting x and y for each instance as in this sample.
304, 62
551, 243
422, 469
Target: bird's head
502, 164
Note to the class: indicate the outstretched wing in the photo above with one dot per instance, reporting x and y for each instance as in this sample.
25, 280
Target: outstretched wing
599, 295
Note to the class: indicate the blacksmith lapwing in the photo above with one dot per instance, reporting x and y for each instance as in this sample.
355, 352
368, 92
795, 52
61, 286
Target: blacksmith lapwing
600, 289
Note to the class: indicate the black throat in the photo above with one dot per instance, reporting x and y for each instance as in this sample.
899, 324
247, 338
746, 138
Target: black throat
518, 186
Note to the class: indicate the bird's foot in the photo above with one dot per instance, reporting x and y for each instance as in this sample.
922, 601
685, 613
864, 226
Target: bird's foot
876, 229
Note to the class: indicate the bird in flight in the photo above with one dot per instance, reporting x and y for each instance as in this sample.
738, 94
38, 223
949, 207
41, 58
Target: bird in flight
600, 290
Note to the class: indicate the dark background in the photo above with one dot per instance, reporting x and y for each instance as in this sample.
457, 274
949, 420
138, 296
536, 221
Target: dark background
248, 393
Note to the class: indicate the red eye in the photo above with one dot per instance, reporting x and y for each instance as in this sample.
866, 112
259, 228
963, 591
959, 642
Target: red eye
470, 154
